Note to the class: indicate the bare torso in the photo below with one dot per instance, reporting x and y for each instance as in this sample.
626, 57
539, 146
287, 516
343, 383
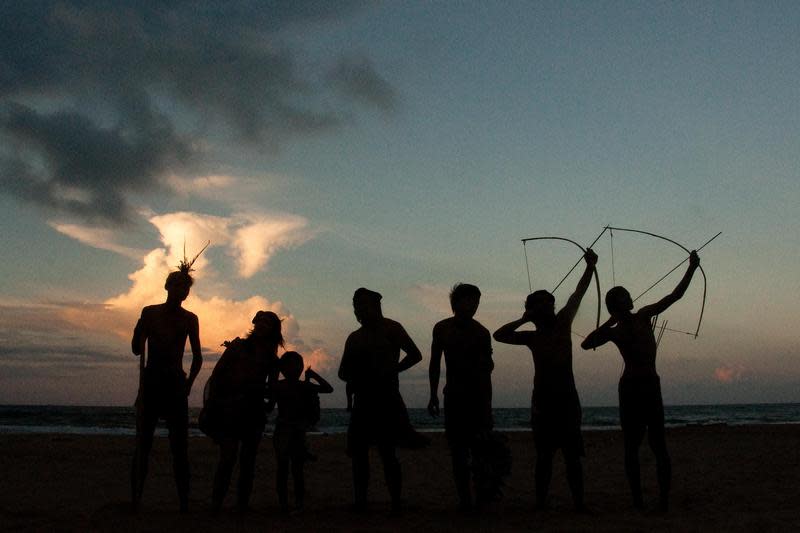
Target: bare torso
634, 337
551, 349
166, 329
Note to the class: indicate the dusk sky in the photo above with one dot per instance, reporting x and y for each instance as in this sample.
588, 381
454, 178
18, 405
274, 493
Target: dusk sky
404, 147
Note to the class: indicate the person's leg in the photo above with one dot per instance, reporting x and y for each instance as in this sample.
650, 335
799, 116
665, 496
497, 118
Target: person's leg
391, 471
299, 483
544, 472
298, 460
542, 439
145, 427
282, 482
459, 452
573, 451
633, 434
658, 443
281, 444
633, 430
572, 460
247, 469
178, 426
228, 449
360, 460
358, 450
459, 416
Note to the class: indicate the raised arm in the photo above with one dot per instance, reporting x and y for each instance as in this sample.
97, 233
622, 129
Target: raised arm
197, 356
434, 371
662, 305
574, 302
508, 333
323, 386
600, 336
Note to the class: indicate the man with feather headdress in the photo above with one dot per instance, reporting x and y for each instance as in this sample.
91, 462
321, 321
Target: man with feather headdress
163, 385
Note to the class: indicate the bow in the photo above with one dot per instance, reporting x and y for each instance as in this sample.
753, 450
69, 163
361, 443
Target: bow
682, 247
596, 278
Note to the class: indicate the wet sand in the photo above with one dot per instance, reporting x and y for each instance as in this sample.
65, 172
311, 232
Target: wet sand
724, 478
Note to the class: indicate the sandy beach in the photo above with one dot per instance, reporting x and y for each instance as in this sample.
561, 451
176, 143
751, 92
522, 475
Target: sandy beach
725, 478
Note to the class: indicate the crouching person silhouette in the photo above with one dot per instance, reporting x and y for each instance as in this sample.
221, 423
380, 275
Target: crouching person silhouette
641, 408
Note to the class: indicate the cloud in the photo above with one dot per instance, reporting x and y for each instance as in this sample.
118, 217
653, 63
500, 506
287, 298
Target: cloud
96, 237
67, 162
432, 297
42, 335
262, 235
190, 231
252, 238
205, 186
103, 100
357, 78
730, 373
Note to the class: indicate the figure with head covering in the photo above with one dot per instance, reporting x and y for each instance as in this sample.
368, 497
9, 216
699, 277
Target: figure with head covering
161, 333
641, 409
555, 406
234, 412
370, 366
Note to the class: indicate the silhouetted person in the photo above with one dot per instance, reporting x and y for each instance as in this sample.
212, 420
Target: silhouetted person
235, 396
467, 349
555, 406
370, 366
164, 386
641, 408
297, 404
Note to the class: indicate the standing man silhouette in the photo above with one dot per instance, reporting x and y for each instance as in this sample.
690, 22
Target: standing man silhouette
164, 387
555, 406
641, 408
370, 366
467, 349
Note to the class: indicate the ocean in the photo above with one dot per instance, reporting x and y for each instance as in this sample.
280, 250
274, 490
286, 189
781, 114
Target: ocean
120, 420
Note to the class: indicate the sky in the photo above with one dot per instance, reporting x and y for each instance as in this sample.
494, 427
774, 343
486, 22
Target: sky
403, 147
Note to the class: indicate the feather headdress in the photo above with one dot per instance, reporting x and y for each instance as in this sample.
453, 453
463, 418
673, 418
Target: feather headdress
182, 275
185, 266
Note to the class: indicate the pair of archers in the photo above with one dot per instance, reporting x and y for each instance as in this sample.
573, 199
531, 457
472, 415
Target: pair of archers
555, 406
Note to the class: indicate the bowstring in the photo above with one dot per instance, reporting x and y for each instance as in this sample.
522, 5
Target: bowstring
613, 269
663, 326
527, 266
